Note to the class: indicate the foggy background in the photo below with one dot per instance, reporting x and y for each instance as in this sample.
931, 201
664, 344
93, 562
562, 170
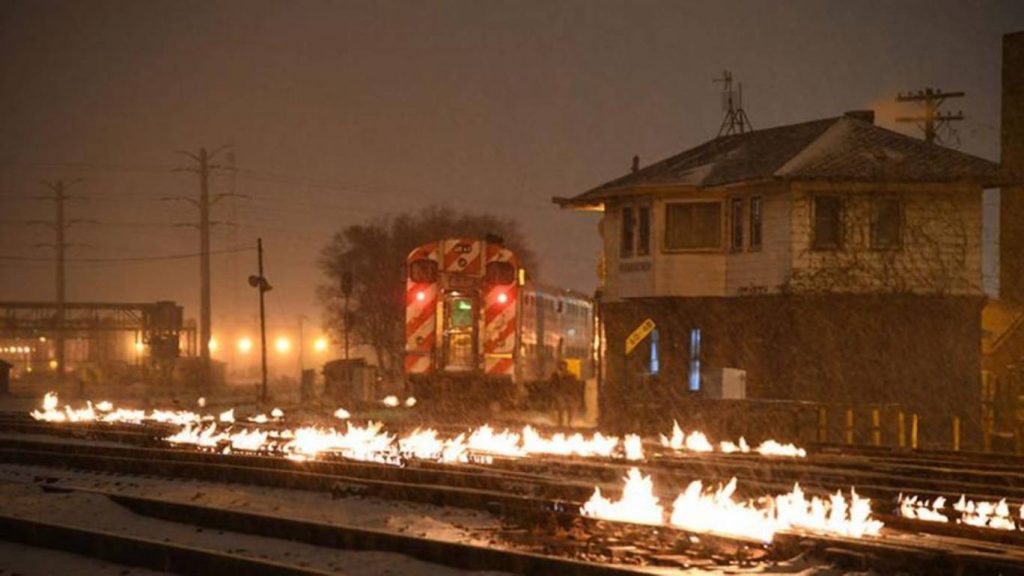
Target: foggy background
342, 111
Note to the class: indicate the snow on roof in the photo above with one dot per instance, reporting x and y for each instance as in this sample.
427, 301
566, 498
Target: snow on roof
845, 148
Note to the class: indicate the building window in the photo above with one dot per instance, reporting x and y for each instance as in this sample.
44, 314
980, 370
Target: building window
755, 222
643, 231
828, 223
736, 241
694, 375
886, 223
628, 232
693, 225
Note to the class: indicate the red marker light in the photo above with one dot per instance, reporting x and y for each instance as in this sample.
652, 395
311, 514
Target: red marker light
502, 298
421, 296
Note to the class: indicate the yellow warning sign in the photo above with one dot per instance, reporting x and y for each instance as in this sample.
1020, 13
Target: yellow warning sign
639, 334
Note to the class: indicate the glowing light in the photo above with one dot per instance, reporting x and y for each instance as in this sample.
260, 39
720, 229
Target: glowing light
342, 414
42, 338
320, 345
283, 345
53, 364
140, 346
244, 345
390, 401
410, 401
212, 345
421, 296
502, 298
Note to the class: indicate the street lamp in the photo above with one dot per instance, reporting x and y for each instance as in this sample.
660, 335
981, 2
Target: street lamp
244, 345
282, 344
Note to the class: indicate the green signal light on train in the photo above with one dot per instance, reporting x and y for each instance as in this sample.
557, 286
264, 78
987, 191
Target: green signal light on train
463, 305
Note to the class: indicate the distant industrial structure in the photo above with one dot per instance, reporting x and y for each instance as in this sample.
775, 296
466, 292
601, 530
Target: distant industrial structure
103, 339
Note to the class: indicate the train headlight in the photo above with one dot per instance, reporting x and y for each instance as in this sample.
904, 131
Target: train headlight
421, 296
502, 298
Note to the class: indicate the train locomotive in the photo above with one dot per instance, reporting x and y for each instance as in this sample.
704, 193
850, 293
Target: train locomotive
477, 330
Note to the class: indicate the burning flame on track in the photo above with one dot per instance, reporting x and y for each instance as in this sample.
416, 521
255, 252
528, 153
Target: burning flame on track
698, 442
982, 514
638, 503
719, 512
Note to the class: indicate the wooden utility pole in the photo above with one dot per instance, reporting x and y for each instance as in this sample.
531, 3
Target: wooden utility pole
59, 224
260, 282
931, 119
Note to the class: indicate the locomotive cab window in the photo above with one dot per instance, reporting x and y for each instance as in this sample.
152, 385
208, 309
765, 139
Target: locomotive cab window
423, 271
501, 273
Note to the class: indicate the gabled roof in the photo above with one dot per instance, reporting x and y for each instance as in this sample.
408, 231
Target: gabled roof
845, 148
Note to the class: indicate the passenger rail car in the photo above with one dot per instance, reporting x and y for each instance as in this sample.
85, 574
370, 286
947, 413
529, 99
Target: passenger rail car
475, 327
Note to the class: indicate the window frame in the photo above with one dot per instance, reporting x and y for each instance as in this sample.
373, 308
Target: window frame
900, 222
840, 223
720, 247
627, 248
642, 233
756, 224
736, 224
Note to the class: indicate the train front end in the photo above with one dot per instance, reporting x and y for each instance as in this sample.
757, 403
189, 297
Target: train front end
461, 322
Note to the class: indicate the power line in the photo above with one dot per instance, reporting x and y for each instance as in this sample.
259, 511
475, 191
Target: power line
131, 258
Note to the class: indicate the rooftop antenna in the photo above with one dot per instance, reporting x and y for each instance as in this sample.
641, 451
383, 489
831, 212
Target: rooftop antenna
735, 120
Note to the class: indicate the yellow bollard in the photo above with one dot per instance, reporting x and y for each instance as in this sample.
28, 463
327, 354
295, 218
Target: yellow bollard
901, 425
849, 426
956, 433
913, 431
876, 427
822, 425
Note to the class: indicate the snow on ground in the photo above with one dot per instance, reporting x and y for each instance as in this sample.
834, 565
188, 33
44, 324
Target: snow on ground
20, 495
28, 561
97, 512
422, 520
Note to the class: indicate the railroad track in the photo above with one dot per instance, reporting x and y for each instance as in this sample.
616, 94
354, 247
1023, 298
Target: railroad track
495, 491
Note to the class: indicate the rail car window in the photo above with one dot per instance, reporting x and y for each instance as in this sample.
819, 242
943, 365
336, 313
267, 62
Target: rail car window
502, 273
423, 271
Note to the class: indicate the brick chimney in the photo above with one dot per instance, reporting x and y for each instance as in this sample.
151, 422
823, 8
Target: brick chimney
1011, 203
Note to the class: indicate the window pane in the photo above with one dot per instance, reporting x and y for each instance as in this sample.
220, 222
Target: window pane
885, 232
827, 222
643, 241
626, 248
755, 222
737, 223
423, 271
693, 225
500, 273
